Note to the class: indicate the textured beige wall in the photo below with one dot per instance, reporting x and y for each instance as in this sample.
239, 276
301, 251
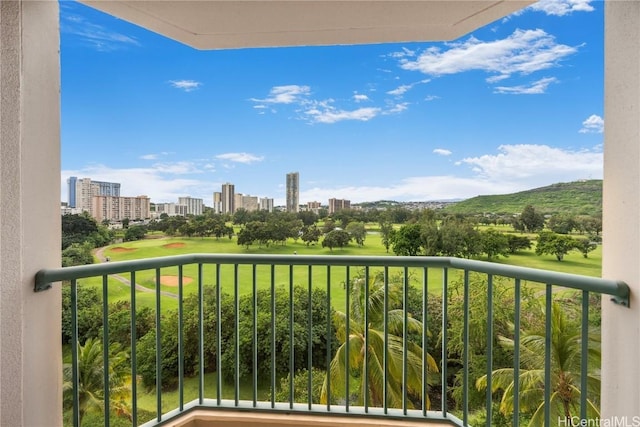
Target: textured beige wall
30, 351
621, 253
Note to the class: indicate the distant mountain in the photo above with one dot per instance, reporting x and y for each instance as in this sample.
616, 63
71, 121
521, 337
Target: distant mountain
577, 198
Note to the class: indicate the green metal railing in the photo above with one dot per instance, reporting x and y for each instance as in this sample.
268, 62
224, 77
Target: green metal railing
333, 274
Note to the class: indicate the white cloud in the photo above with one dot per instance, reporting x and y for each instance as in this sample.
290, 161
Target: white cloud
246, 158
185, 85
288, 94
515, 168
431, 97
149, 157
534, 88
529, 162
94, 35
400, 90
593, 124
523, 52
358, 97
442, 151
397, 108
333, 115
562, 7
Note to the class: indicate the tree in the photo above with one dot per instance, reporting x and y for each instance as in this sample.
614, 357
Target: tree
77, 254
562, 223
311, 234
407, 240
585, 246
336, 239
518, 242
308, 218
89, 312
300, 386
353, 337
532, 221
554, 244
566, 351
135, 232
494, 243
91, 378
357, 232
386, 230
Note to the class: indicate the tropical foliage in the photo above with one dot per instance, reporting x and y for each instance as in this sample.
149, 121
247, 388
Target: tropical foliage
366, 345
566, 350
91, 375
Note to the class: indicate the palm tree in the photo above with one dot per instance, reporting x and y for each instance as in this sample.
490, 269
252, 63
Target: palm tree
339, 371
566, 350
91, 378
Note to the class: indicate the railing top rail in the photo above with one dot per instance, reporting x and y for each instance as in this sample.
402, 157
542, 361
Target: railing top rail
617, 289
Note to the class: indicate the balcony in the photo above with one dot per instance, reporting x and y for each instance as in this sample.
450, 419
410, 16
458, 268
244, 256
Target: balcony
397, 351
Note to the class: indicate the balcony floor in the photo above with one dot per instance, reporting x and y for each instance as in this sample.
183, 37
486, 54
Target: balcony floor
208, 418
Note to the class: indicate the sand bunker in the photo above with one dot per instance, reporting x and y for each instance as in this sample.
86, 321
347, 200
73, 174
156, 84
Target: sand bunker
121, 249
174, 245
173, 280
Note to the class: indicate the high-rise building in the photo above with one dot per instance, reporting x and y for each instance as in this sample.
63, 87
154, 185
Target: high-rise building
114, 208
266, 204
81, 191
314, 207
336, 205
217, 202
72, 182
293, 192
194, 206
171, 209
228, 198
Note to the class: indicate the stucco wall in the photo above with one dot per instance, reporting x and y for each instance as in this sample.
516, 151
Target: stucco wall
30, 351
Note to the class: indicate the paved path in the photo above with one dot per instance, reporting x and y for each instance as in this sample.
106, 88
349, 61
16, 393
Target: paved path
99, 253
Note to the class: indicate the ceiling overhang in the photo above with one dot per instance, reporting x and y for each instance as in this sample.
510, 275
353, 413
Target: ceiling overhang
228, 24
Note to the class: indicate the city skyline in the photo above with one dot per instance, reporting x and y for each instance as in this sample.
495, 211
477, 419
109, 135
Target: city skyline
363, 123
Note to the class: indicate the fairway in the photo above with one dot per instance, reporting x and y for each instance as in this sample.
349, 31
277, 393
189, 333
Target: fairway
239, 279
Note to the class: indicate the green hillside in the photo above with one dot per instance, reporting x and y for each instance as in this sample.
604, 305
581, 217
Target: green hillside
577, 198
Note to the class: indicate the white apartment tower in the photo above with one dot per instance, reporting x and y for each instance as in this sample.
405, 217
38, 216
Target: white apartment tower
293, 192
82, 191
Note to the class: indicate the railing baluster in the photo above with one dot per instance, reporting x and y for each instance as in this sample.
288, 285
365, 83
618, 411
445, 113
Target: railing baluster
236, 337
218, 337
158, 350
385, 353
75, 367
134, 359
547, 355
310, 338
445, 339
584, 362
489, 406
405, 338
200, 334
425, 347
366, 339
329, 340
254, 311
347, 289
516, 356
273, 336
105, 348
180, 338
291, 339
465, 350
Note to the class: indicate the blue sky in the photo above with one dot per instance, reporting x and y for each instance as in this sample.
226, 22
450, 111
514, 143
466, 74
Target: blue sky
515, 105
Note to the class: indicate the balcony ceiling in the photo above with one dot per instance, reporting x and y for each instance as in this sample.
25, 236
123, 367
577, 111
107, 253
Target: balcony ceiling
225, 24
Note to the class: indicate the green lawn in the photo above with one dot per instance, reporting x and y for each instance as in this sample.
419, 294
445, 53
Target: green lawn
574, 262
